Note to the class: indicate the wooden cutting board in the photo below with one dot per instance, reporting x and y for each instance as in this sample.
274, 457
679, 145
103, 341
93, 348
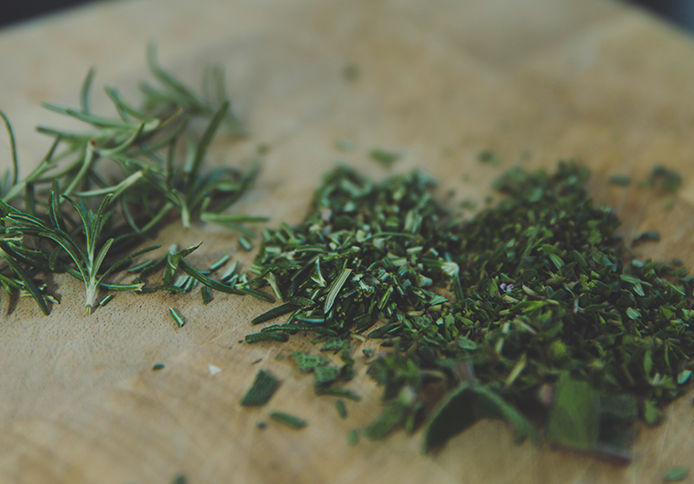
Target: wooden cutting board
535, 81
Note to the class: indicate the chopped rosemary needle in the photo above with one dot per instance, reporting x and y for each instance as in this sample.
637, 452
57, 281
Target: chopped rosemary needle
261, 390
288, 420
246, 244
177, 317
341, 408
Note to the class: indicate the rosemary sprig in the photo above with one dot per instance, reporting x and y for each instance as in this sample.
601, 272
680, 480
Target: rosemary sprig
101, 191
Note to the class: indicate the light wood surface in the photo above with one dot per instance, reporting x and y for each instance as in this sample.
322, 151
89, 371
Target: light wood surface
439, 81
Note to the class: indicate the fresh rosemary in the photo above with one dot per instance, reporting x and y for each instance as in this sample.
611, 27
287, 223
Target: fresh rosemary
99, 193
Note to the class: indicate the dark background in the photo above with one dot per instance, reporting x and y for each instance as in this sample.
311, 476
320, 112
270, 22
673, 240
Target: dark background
680, 12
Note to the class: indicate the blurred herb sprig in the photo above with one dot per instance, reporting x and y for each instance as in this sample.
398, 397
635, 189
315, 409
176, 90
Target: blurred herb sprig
99, 193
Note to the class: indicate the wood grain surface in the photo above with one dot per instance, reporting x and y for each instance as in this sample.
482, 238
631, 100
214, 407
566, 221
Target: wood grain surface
535, 81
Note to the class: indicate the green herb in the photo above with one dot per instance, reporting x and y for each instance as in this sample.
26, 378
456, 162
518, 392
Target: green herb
266, 336
341, 408
353, 437
158, 366
180, 479
206, 294
100, 192
261, 425
574, 419
219, 263
535, 294
649, 236
383, 157
665, 179
105, 300
288, 420
246, 244
274, 313
676, 474
261, 390
307, 363
488, 157
621, 180
177, 317
464, 406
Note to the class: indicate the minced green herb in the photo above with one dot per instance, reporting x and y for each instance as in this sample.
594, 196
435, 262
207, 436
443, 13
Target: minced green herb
384, 157
261, 391
535, 294
341, 408
676, 474
288, 420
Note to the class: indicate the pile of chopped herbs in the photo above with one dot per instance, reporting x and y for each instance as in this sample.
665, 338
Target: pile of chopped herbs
533, 310
100, 192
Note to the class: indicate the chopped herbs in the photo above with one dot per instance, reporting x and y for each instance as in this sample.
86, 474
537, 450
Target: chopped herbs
288, 420
353, 437
262, 389
158, 366
383, 157
534, 296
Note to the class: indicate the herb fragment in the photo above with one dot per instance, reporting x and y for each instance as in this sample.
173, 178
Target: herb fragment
261, 390
383, 157
488, 157
666, 179
620, 180
649, 236
341, 408
158, 366
177, 317
180, 479
288, 420
676, 474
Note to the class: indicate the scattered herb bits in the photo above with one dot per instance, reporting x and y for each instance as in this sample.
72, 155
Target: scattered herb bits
533, 295
288, 420
264, 386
